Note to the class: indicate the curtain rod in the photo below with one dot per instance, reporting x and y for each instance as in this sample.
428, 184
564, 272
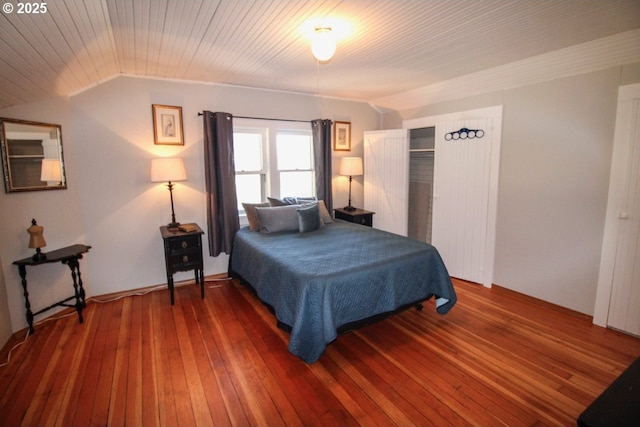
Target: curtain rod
266, 118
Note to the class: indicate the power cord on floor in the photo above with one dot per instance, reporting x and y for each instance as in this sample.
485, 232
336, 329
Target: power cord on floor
128, 294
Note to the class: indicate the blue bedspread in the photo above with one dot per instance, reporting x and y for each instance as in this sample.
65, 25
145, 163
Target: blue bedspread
319, 281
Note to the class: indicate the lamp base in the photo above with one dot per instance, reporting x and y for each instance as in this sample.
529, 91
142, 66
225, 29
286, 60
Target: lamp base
349, 208
38, 256
173, 225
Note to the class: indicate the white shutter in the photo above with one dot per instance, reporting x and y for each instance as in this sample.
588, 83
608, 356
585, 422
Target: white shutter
462, 179
386, 178
624, 311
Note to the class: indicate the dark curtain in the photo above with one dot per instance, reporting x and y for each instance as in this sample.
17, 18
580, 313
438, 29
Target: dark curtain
321, 129
222, 202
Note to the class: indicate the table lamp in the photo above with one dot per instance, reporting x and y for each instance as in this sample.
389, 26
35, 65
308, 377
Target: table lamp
350, 166
50, 171
36, 240
169, 170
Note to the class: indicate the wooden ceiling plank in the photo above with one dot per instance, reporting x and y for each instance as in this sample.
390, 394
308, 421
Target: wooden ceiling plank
402, 45
153, 23
122, 32
85, 57
196, 37
77, 46
18, 87
183, 32
282, 42
219, 31
201, 36
141, 36
24, 48
105, 45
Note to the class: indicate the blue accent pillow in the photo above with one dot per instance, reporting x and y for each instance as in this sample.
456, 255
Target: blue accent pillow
279, 218
277, 202
325, 216
308, 218
303, 200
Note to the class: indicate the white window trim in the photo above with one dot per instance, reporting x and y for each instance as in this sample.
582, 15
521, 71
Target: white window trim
270, 166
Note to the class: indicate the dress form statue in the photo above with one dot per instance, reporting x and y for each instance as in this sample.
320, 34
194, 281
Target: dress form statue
36, 240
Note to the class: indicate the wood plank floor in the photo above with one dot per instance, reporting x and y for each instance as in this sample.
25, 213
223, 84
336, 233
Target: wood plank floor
498, 358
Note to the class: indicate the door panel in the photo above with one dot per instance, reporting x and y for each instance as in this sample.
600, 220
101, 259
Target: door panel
462, 178
624, 309
386, 178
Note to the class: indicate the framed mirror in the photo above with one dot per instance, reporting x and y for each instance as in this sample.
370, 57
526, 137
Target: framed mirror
31, 156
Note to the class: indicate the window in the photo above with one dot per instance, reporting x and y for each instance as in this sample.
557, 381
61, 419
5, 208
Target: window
272, 159
248, 148
295, 164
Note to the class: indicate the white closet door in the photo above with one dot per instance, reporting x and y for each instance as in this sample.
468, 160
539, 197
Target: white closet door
462, 183
624, 310
386, 178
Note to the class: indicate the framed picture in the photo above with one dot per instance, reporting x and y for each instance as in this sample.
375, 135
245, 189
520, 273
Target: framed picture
342, 136
167, 125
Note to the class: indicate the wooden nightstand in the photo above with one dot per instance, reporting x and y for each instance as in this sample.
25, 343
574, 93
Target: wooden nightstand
358, 216
183, 252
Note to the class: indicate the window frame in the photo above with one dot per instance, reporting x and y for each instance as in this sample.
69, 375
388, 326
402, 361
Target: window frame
270, 183
276, 179
264, 171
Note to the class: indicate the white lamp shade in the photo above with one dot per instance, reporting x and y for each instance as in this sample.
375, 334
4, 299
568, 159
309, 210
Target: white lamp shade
351, 166
50, 170
168, 169
323, 44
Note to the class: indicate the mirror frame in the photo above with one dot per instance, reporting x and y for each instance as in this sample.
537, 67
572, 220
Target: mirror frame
6, 157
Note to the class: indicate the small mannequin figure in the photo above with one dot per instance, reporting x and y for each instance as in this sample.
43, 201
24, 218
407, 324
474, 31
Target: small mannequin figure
36, 240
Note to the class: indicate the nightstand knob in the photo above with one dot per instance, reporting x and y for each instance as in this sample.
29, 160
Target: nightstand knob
184, 244
185, 258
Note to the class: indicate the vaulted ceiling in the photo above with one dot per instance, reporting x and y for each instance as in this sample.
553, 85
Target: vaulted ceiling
386, 48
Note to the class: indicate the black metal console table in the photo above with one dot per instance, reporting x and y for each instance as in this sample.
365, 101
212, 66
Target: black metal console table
70, 256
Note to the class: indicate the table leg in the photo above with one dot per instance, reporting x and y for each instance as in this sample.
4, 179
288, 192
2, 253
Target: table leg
80, 287
201, 282
75, 271
170, 283
23, 275
199, 274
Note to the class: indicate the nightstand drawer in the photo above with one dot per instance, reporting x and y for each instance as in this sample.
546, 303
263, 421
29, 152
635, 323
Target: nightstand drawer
184, 243
363, 219
184, 263
184, 257
357, 216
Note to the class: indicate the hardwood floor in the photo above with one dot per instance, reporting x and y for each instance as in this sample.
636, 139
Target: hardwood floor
498, 358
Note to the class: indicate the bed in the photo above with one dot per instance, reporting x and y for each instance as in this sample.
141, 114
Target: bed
319, 283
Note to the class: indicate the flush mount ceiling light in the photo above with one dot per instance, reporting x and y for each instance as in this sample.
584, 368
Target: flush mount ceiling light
323, 43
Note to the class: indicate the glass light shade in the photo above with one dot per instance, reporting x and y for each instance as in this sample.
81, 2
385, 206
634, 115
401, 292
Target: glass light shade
51, 170
323, 45
351, 166
168, 169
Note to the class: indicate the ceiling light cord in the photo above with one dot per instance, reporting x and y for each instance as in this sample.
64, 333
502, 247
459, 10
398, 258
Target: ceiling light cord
317, 77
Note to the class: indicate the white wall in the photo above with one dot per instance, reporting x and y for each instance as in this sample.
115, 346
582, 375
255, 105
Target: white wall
58, 211
555, 161
111, 205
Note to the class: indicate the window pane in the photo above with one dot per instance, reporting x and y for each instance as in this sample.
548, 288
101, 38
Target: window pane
294, 151
248, 189
296, 184
247, 151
